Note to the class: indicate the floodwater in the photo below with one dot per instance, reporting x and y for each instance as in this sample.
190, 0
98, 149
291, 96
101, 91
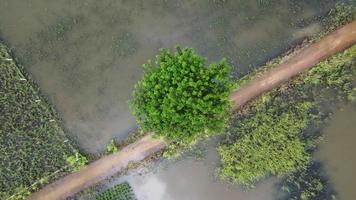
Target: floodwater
338, 151
192, 179
87, 55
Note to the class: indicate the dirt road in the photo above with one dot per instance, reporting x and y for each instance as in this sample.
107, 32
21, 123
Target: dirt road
109, 165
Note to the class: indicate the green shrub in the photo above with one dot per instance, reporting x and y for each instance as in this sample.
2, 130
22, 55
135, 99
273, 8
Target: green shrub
182, 99
122, 191
76, 161
111, 147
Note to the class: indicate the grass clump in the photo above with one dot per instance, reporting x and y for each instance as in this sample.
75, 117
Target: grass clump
33, 146
181, 98
122, 191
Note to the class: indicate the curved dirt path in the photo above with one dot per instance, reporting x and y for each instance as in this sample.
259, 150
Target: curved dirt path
109, 165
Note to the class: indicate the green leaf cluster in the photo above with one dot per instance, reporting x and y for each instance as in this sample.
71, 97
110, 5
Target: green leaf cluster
181, 98
122, 191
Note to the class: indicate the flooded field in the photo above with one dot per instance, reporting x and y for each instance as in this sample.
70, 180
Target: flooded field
338, 150
87, 55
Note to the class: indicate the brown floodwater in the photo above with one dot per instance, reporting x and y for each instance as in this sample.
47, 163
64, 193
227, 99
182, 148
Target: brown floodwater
87, 55
338, 151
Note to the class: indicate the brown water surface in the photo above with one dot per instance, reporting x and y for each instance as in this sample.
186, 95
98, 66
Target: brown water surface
338, 151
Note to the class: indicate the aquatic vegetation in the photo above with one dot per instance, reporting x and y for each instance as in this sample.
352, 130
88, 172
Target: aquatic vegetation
265, 142
252, 149
341, 14
268, 138
33, 146
182, 99
58, 31
122, 191
308, 184
125, 44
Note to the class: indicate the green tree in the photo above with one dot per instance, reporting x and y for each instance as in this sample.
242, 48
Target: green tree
181, 98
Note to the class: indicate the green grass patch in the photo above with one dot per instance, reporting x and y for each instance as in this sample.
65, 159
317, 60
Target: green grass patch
122, 191
33, 147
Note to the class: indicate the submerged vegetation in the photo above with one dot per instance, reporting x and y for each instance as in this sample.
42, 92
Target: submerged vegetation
111, 147
182, 99
122, 191
309, 183
33, 146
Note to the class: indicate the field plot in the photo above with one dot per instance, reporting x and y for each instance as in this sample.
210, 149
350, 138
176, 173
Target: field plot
33, 146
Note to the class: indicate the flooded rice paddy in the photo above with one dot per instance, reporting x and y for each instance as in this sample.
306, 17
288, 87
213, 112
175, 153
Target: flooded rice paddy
87, 55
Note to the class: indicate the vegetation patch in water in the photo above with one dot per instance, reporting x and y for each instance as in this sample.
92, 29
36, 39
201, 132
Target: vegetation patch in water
181, 98
269, 137
273, 135
265, 142
33, 146
122, 191
310, 183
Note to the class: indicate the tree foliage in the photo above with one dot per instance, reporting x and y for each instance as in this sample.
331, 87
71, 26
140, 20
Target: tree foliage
180, 98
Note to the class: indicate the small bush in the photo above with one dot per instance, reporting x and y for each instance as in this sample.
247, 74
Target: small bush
111, 147
76, 161
182, 99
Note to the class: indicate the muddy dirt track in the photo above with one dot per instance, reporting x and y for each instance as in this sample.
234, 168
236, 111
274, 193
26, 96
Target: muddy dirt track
109, 165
